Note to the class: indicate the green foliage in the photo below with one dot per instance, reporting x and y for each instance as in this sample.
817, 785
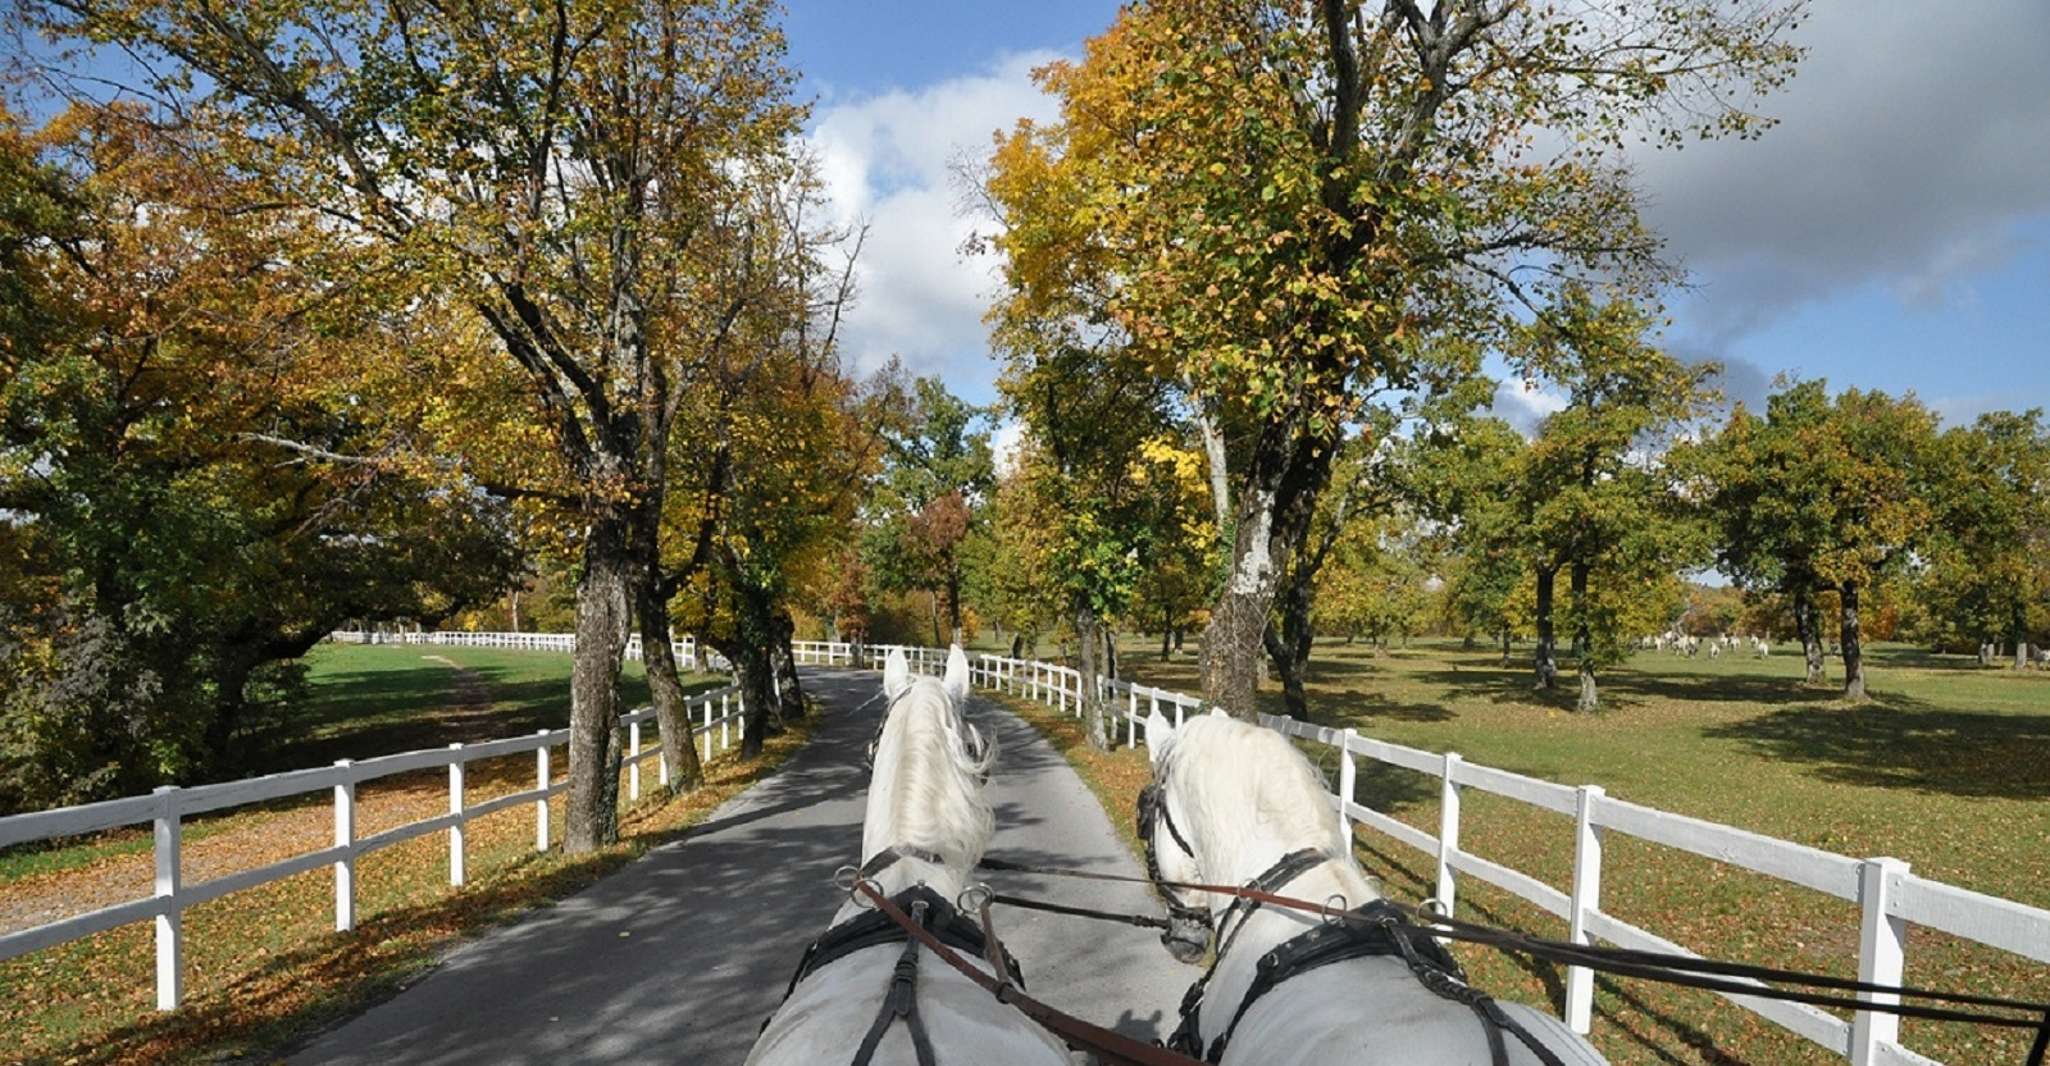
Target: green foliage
1985, 566
936, 476
1820, 491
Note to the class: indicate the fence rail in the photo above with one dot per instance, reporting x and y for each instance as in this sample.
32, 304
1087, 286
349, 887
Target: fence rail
167, 808
1889, 897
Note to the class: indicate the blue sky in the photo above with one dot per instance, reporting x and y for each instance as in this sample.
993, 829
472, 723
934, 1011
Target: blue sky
1893, 232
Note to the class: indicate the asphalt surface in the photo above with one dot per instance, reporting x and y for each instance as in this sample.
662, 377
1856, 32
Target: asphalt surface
680, 956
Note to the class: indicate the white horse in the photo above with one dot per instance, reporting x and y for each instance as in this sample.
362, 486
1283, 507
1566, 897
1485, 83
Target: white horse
1238, 804
927, 824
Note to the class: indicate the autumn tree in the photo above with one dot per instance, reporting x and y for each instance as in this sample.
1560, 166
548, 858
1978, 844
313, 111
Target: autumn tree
553, 170
162, 564
1987, 562
1295, 199
1593, 491
937, 469
1819, 495
1474, 464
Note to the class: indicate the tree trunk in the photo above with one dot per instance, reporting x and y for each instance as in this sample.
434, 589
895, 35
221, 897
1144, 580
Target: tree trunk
755, 676
1808, 626
1288, 467
1179, 633
1854, 654
514, 597
1289, 643
1583, 642
783, 659
1166, 642
1220, 471
2020, 625
937, 639
1088, 642
1545, 659
1110, 651
954, 605
672, 713
591, 817
1505, 646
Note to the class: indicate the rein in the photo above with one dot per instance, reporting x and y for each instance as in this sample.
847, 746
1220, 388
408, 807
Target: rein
1684, 970
1107, 1045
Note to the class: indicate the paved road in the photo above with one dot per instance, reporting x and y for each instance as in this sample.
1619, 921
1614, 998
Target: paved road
678, 957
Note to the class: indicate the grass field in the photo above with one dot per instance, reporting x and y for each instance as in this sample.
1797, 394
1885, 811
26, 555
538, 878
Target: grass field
1948, 768
263, 965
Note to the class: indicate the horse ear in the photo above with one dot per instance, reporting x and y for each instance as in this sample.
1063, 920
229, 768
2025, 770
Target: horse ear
956, 680
1159, 735
896, 674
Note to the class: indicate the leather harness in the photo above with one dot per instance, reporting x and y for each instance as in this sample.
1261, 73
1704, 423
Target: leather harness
931, 912
1379, 928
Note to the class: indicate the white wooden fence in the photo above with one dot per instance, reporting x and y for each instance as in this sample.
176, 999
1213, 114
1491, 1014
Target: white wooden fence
1889, 897
685, 649
167, 808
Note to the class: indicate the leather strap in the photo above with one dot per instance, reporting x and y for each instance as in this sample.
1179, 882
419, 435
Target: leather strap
1109, 1046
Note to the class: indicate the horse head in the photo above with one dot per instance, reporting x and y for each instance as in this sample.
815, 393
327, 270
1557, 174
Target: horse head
1170, 856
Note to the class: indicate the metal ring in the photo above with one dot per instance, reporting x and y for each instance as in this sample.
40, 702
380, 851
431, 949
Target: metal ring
1435, 907
846, 876
1331, 917
975, 897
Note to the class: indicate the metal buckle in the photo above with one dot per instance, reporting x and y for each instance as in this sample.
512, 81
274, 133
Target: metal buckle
974, 898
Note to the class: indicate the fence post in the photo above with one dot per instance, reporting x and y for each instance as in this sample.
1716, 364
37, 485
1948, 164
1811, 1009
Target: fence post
170, 949
725, 738
455, 807
541, 782
741, 720
1348, 776
1179, 709
1132, 717
1448, 830
1060, 684
1587, 898
633, 760
1881, 958
708, 732
662, 764
345, 837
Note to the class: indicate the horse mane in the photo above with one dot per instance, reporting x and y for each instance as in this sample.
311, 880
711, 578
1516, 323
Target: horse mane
1255, 787
937, 803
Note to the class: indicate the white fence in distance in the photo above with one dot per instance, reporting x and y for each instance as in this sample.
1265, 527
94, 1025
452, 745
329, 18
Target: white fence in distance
1889, 896
167, 807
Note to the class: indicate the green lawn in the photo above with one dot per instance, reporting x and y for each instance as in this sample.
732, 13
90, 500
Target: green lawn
1947, 768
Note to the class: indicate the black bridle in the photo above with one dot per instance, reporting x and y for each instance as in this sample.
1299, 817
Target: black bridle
1153, 811
1322, 945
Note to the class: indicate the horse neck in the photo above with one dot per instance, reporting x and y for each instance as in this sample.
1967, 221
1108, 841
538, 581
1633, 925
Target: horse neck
1336, 882
883, 822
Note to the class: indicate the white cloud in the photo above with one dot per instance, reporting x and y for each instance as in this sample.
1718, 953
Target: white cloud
1912, 143
1004, 442
886, 161
1524, 405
